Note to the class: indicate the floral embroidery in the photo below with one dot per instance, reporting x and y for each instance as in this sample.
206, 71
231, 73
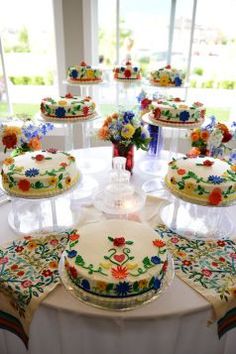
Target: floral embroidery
119, 272
215, 197
119, 241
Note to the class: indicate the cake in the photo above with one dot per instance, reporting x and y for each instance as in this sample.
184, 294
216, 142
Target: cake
67, 108
127, 72
39, 174
166, 76
84, 74
116, 263
202, 180
175, 112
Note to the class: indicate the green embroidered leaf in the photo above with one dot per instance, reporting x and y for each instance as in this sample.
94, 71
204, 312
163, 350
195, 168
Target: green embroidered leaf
73, 243
38, 185
60, 185
129, 242
110, 238
79, 260
146, 262
109, 287
60, 177
135, 286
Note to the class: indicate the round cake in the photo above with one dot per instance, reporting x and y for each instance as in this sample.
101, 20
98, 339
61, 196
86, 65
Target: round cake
175, 112
166, 76
84, 74
127, 72
67, 108
39, 174
202, 180
116, 263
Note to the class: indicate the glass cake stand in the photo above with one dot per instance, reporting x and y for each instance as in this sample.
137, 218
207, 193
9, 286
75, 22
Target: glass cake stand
125, 90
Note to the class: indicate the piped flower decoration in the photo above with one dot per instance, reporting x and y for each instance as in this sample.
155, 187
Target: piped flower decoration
119, 241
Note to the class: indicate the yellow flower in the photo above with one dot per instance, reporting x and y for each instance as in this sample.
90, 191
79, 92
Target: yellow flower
181, 254
142, 283
131, 265
62, 103
233, 168
183, 106
12, 130
90, 74
68, 180
53, 180
164, 80
53, 264
31, 245
71, 158
127, 131
105, 265
8, 161
5, 178
101, 285
19, 169
189, 186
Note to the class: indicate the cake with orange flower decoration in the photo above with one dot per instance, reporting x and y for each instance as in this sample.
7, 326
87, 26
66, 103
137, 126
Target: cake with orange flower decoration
127, 72
67, 108
39, 174
202, 180
167, 76
175, 112
84, 74
116, 263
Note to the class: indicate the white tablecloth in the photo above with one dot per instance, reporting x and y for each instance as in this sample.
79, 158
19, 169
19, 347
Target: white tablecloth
175, 323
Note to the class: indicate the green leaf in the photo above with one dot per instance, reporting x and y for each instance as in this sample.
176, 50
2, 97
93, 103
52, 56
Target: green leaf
129, 242
60, 186
38, 185
135, 286
147, 262
110, 238
60, 177
109, 287
79, 260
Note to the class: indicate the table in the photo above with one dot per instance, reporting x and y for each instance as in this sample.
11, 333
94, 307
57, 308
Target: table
174, 323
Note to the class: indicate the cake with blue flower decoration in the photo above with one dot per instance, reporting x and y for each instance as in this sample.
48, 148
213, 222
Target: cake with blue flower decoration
127, 72
116, 263
67, 108
39, 174
175, 112
202, 180
167, 76
84, 74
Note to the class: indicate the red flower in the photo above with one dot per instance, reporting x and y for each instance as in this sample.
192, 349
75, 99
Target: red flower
19, 249
233, 255
9, 141
181, 171
215, 197
27, 237
128, 62
127, 73
164, 267
117, 70
52, 151
119, 272
208, 163
85, 110
20, 273
222, 259
157, 113
83, 63
159, 243
24, 185
14, 267
54, 242
145, 103
74, 237
26, 283
42, 108
227, 137
63, 164
39, 157
174, 239
177, 99
202, 113
73, 272
214, 264
221, 243
187, 263
168, 66
69, 95
119, 241
3, 260
198, 104
47, 273
207, 272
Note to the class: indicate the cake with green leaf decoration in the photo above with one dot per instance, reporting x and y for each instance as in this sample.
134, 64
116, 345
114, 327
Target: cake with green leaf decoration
202, 180
127, 72
39, 174
167, 76
84, 74
116, 263
67, 108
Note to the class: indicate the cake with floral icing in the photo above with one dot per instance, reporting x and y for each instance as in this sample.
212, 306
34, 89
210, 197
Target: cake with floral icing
175, 112
84, 74
67, 108
39, 174
116, 263
202, 180
167, 76
127, 72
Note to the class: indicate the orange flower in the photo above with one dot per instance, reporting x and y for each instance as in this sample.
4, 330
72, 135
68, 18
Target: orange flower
119, 272
233, 168
53, 264
195, 135
215, 197
32, 245
205, 135
8, 161
181, 171
103, 133
74, 237
159, 243
101, 285
68, 180
115, 115
194, 152
35, 144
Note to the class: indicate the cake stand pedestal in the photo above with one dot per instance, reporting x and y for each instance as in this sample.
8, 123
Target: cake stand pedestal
123, 89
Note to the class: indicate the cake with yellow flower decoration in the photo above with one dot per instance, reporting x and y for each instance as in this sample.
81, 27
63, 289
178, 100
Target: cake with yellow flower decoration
39, 174
67, 108
175, 112
202, 180
167, 76
116, 263
127, 72
84, 74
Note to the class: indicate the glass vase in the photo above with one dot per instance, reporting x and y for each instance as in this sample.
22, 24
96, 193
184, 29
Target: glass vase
124, 151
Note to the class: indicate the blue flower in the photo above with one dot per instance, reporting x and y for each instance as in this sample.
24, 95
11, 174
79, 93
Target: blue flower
72, 253
232, 156
215, 179
60, 112
156, 284
85, 284
135, 69
32, 172
122, 69
141, 96
156, 260
122, 289
128, 115
74, 74
178, 81
184, 116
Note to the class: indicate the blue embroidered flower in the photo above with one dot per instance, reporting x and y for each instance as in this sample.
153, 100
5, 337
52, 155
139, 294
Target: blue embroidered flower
178, 81
85, 284
72, 253
184, 116
141, 96
60, 112
135, 69
74, 74
32, 172
156, 284
215, 179
156, 260
122, 69
122, 289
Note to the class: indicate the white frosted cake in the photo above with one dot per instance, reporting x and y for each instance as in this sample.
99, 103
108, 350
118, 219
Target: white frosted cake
116, 263
84, 74
39, 174
202, 180
67, 108
127, 72
166, 76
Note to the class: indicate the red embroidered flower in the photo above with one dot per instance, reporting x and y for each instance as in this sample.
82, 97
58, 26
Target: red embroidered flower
74, 237
198, 104
164, 267
157, 113
42, 108
85, 110
207, 272
24, 185
47, 273
159, 243
145, 103
54, 242
83, 63
221, 243
9, 141
181, 171
117, 70
177, 99
3, 260
73, 272
186, 263
26, 283
202, 113
69, 95
63, 164
174, 239
214, 264
222, 259
19, 249
14, 267
215, 197
28, 237
168, 66
52, 151
39, 157
128, 62
87, 98
119, 272
233, 255
208, 163
227, 137
127, 73
20, 273
119, 241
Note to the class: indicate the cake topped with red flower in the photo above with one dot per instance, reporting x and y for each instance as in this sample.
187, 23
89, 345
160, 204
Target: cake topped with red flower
116, 263
84, 74
39, 174
167, 76
202, 180
67, 108
127, 72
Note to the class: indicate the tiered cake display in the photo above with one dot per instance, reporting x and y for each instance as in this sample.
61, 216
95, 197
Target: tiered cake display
127, 72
